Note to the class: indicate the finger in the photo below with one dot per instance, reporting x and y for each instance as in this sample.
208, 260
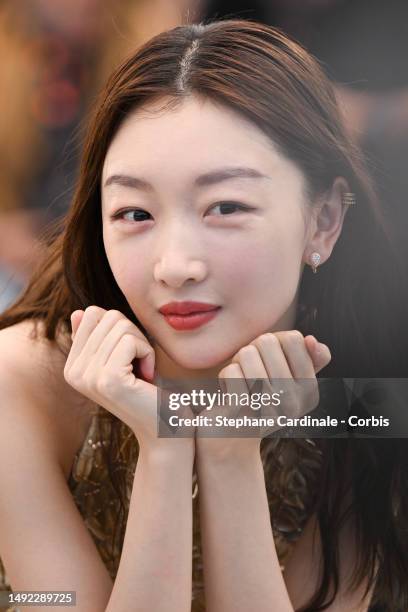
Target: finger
76, 318
127, 348
273, 357
254, 370
297, 356
111, 319
250, 362
102, 329
234, 382
310, 343
319, 353
146, 366
232, 375
143, 350
90, 319
237, 383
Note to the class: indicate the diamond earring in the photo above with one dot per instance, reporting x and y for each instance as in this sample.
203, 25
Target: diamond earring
315, 261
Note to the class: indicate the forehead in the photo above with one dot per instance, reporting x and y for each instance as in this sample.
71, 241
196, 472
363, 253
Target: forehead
196, 133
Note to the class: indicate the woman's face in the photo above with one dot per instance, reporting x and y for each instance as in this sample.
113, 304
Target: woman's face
199, 206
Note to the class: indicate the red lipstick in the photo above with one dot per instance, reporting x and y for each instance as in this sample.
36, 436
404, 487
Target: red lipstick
188, 315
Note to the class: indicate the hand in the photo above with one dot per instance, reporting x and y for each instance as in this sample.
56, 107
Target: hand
286, 360
280, 360
100, 366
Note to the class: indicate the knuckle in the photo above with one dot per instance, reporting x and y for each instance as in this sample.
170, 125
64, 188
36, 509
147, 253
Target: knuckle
124, 326
67, 376
267, 339
104, 383
228, 371
72, 376
113, 315
247, 351
234, 370
295, 336
93, 310
140, 334
130, 339
87, 380
115, 312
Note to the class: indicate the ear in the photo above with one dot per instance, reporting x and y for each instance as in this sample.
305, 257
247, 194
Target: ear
327, 222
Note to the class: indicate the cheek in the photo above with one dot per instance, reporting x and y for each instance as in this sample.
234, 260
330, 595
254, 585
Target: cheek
266, 277
128, 271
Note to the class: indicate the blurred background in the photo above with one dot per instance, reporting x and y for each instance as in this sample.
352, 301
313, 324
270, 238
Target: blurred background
56, 54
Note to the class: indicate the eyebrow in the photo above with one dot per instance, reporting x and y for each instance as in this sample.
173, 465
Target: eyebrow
209, 178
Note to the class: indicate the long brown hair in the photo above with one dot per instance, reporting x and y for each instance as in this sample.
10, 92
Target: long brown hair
351, 304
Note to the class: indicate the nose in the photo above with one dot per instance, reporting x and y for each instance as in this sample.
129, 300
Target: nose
179, 259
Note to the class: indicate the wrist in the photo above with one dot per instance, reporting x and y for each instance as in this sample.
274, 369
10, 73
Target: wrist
228, 451
168, 452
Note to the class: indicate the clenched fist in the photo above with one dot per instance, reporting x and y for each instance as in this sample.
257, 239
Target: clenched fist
100, 366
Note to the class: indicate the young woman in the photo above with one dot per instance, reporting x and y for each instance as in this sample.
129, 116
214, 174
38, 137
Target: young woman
216, 170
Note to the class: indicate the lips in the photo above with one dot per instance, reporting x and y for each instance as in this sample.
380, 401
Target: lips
184, 316
186, 308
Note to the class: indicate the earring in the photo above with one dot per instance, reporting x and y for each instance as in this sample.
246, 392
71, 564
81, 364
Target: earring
348, 198
315, 261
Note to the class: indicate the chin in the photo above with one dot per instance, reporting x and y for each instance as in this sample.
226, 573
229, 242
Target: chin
203, 360
196, 362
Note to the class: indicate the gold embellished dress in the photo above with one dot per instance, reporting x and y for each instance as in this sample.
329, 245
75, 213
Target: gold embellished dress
291, 473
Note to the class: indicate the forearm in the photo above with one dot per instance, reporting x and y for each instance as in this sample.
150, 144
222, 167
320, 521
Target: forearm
156, 567
241, 567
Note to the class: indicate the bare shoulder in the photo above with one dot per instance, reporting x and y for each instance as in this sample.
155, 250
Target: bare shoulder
32, 366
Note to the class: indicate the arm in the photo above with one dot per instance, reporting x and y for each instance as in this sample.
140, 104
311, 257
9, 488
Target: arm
158, 539
240, 563
241, 566
44, 542
242, 570
156, 565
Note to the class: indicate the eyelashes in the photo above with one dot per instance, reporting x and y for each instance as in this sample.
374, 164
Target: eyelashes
229, 205
226, 206
134, 211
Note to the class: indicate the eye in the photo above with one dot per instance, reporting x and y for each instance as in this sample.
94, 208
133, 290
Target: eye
132, 214
138, 215
227, 208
